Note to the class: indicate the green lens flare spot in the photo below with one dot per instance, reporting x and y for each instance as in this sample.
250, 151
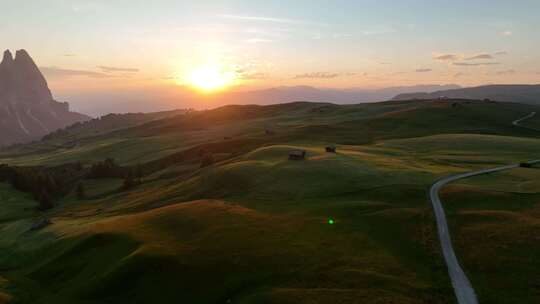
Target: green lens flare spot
331, 222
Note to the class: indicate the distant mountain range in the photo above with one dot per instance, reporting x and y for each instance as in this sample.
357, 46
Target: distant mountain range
173, 97
529, 94
307, 93
27, 108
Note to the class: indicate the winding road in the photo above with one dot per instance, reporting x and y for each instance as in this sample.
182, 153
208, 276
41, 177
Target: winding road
462, 286
517, 121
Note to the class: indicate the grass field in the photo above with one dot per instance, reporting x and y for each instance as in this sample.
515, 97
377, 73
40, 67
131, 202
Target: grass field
254, 227
496, 223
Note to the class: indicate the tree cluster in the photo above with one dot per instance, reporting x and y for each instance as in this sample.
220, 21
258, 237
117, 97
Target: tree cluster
42, 185
106, 169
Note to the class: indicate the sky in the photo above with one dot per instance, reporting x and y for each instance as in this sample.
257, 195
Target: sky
130, 48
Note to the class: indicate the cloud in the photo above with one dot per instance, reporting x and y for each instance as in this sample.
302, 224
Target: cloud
322, 75
60, 73
453, 57
69, 55
506, 72
423, 70
480, 56
460, 74
109, 69
445, 57
253, 76
507, 33
270, 19
317, 75
341, 35
470, 64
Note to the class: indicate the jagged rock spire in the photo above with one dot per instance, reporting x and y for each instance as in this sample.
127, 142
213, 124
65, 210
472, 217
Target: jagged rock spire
21, 80
27, 108
7, 59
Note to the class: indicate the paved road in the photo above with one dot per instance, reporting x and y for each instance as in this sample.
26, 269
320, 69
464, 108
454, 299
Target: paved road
462, 286
518, 121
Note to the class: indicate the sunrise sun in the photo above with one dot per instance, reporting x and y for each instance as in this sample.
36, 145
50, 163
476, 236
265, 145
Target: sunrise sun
211, 77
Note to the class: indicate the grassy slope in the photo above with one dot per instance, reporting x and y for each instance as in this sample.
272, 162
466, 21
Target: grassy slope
495, 221
293, 123
356, 255
264, 238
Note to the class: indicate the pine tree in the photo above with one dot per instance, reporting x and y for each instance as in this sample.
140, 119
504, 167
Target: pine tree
45, 200
81, 193
129, 182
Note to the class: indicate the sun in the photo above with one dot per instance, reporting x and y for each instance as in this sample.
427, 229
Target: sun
211, 77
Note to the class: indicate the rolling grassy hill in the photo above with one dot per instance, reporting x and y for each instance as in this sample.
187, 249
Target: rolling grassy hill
254, 227
295, 122
496, 221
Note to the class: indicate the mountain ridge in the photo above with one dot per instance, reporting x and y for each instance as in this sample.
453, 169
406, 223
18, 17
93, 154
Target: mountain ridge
28, 110
520, 93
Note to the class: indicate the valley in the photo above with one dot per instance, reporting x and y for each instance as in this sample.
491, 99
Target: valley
218, 206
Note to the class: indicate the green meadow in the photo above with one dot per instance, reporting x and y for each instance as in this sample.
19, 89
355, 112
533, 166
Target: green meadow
252, 226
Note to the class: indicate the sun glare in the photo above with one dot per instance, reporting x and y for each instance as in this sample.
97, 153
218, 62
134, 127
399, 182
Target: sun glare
211, 77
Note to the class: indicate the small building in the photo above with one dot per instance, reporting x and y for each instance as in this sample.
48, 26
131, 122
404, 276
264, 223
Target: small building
330, 149
525, 165
297, 155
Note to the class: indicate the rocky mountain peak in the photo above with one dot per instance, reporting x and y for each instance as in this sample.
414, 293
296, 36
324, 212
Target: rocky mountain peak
21, 80
7, 59
27, 108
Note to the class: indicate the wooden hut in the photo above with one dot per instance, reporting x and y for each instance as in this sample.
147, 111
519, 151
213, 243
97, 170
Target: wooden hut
330, 149
297, 155
525, 165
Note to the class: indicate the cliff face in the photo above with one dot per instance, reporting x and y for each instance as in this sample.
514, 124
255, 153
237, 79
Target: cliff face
27, 108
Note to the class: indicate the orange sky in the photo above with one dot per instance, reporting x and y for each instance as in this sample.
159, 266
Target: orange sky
98, 46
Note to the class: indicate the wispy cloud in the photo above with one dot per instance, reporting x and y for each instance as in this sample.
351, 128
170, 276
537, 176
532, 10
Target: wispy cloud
470, 64
456, 57
506, 72
460, 74
480, 56
445, 57
507, 33
60, 73
110, 69
253, 76
423, 70
317, 75
322, 75
271, 20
